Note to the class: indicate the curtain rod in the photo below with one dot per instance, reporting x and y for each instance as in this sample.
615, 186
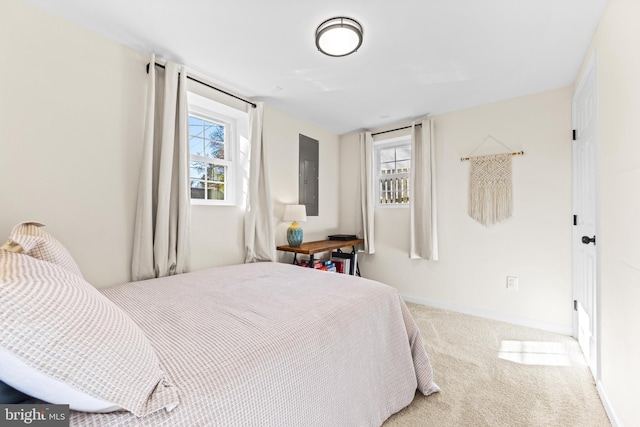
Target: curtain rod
516, 153
393, 130
209, 86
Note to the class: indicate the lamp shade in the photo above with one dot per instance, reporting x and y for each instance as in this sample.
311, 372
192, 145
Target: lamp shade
339, 36
295, 213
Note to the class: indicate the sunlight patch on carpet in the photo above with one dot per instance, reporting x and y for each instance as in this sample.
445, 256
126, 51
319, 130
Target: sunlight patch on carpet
535, 353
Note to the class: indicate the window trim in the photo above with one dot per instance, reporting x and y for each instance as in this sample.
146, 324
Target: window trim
231, 154
378, 146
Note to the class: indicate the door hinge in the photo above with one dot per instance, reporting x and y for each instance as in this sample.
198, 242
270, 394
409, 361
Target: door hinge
575, 305
575, 134
575, 220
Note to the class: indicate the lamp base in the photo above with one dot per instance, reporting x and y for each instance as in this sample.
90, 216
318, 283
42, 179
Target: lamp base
294, 235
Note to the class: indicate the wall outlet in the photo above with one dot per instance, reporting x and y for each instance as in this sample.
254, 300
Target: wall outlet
512, 283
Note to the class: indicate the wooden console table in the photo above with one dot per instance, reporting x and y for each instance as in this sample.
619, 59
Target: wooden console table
312, 248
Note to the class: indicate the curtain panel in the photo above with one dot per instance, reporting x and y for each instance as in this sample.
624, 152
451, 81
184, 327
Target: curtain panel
366, 222
259, 235
422, 193
161, 245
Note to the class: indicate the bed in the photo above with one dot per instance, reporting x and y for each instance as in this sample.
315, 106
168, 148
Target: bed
266, 344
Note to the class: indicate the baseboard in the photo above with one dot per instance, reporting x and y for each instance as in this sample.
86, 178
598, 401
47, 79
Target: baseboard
608, 407
551, 327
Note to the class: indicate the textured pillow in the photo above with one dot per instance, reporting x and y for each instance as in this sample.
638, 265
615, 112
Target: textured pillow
39, 244
64, 342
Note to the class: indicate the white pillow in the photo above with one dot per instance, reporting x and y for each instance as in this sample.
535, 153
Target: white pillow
64, 342
36, 242
15, 371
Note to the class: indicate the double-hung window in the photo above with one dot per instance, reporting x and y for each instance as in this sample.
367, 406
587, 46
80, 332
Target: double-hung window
392, 167
210, 165
218, 152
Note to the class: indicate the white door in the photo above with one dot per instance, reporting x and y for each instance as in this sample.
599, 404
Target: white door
585, 205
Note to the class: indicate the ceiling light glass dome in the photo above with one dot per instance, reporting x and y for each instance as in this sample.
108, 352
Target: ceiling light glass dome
339, 36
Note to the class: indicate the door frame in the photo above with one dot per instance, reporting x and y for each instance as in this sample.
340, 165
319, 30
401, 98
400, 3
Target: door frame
591, 67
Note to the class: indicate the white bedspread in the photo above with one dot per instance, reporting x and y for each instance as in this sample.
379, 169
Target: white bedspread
272, 344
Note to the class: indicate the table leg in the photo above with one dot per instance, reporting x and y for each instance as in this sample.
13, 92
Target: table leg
357, 269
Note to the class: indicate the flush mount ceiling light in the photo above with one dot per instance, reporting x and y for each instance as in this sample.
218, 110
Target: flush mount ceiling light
339, 36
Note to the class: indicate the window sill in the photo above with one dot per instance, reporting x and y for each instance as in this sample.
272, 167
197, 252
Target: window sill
393, 206
198, 202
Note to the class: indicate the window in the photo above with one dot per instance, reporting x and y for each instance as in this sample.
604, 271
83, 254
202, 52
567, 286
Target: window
218, 152
210, 157
393, 164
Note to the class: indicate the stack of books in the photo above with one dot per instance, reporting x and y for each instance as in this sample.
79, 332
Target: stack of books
342, 265
320, 265
343, 261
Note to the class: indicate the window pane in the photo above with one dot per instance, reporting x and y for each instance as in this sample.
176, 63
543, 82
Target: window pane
403, 153
195, 146
214, 149
215, 132
403, 166
387, 155
393, 175
197, 189
198, 170
206, 138
216, 172
388, 167
215, 191
195, 127
394, 190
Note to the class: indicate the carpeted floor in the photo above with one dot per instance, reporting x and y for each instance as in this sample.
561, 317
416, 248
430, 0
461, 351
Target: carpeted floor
497, 374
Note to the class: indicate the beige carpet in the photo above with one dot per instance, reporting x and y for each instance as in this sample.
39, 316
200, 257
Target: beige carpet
497, 374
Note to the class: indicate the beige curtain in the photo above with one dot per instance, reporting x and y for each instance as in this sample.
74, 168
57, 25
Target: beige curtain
161, 242
259, 236
366, 224
422, 193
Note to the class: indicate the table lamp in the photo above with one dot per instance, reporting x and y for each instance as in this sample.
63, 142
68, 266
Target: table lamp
294, 232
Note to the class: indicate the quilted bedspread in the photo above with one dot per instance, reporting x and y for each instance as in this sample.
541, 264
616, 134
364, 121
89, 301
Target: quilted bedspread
272, 344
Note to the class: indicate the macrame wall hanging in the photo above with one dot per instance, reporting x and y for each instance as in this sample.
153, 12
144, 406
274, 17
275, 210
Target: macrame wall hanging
491, 186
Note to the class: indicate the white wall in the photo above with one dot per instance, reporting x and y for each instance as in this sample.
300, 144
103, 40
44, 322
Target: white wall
72, 108
618, 67
71, 121
281, 133
534, 245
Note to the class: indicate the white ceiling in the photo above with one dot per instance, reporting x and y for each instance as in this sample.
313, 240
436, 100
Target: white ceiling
418, 56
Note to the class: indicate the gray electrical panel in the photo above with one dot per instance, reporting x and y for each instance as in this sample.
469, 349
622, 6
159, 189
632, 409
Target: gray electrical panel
308, 174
